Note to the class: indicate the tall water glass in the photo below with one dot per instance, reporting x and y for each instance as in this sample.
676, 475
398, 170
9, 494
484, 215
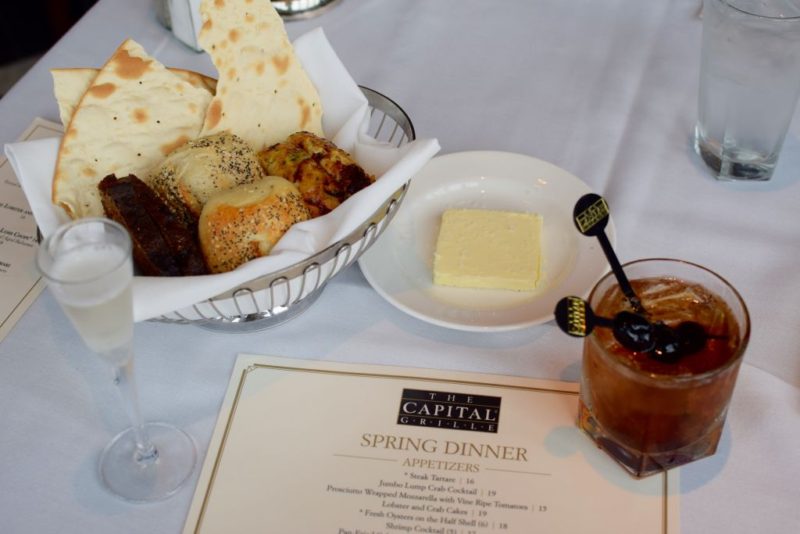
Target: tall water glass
749, 85
88, 267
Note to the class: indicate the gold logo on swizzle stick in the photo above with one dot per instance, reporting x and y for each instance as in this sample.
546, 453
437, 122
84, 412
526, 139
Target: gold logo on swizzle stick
576, 317
592, 215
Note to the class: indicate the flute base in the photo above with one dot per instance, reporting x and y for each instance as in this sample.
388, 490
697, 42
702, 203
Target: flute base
129, 474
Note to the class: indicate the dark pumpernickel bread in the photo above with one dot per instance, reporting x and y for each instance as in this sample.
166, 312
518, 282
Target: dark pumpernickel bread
162, 244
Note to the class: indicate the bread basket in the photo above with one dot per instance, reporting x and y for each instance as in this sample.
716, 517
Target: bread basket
275, 298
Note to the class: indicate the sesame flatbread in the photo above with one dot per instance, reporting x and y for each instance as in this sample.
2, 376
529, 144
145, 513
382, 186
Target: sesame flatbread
263, 93
134, 113
69, 86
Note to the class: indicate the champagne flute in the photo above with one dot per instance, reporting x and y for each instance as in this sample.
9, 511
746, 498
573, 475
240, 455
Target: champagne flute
88, 267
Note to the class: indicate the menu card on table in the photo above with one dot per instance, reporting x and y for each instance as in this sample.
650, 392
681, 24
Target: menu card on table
310, 446
20, 284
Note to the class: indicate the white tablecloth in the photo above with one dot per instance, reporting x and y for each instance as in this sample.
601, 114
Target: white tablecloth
604, 89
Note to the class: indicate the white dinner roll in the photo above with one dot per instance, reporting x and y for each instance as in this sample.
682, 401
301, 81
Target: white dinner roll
202, 168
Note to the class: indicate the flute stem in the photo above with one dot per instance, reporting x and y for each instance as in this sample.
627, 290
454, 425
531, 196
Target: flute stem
124, 378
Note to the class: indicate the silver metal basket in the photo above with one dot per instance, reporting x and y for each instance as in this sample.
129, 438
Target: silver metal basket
277, 297
302, 9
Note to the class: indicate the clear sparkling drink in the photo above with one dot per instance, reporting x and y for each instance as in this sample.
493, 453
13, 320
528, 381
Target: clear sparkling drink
88, 267
647, 413
102, 310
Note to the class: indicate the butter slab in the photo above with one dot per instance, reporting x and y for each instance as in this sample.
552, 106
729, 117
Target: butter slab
488, 249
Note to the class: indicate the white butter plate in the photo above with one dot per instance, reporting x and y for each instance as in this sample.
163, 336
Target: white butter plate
399, 266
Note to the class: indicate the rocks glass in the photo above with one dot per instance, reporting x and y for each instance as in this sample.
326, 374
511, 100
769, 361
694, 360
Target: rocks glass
652, 414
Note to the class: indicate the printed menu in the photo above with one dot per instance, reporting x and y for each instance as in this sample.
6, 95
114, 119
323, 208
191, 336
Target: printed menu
311, 446
20, 284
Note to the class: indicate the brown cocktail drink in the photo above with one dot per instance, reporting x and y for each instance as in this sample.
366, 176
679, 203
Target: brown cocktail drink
652, 413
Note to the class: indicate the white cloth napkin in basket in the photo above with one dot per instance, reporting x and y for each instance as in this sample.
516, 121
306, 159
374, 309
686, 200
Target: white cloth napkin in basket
345, 121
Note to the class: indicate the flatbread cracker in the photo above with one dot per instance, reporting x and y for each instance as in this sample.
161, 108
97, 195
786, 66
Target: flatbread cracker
134, 114
263, 93
69, 86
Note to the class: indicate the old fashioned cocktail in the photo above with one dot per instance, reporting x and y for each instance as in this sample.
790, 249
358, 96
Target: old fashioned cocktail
651, 412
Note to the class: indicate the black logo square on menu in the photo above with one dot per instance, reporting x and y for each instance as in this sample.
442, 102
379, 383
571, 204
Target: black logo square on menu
455, 411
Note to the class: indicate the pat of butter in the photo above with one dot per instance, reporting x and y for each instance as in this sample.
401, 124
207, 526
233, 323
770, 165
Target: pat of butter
488, 249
